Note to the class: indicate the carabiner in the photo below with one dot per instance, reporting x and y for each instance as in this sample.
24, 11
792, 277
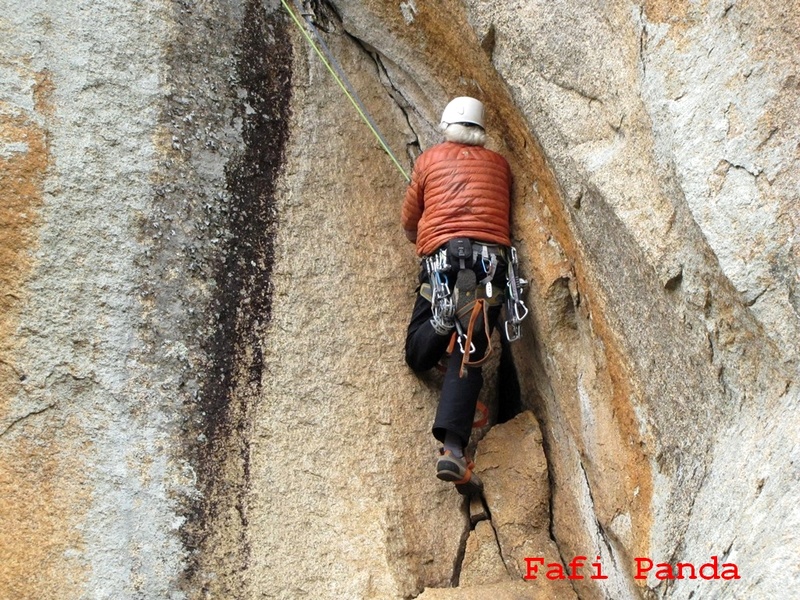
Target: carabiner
461, 339
512, 337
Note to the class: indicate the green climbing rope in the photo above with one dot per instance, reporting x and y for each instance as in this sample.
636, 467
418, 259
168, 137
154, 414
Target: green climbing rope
346, 88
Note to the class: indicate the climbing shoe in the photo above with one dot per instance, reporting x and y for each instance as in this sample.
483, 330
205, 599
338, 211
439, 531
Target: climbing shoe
459, 472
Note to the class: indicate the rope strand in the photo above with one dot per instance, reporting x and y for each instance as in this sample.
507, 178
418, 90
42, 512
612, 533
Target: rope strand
341, 79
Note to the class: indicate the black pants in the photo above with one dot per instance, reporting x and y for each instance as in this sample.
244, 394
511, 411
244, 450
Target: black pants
424, 349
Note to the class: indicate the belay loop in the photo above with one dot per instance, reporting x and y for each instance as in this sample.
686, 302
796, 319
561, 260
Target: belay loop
478, 309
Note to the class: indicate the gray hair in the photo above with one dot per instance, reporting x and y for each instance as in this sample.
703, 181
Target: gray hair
464, 134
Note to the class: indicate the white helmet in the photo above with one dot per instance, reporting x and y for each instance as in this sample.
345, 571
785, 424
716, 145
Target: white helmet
463, 110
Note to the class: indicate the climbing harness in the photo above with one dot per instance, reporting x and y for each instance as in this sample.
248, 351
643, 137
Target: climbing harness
338, 74
466, 305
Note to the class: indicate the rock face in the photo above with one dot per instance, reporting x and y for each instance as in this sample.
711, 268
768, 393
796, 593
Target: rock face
511, 463
205, 289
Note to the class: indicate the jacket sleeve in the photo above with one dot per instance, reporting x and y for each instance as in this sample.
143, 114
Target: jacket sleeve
413, 205
510, 193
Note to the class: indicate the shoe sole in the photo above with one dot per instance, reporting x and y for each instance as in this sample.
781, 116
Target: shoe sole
471, 488
448, 471
449, 476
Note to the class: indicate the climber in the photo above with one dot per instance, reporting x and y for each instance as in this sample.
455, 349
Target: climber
456, 210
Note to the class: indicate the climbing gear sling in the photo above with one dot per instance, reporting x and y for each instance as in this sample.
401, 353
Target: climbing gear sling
338, 74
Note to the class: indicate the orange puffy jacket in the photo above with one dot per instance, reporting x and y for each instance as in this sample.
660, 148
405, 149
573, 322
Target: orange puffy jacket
458, 190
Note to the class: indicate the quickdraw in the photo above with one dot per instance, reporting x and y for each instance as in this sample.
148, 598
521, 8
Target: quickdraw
442, 301
516, 310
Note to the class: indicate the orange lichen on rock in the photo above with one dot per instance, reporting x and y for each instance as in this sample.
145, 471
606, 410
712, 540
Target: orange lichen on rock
41, 495
40, 490
23, 162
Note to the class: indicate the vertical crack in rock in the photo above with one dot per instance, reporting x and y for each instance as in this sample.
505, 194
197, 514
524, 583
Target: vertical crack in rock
509, 392
591, 502
627, 585
497, 538
458, 563
642, 40
547, 451
608, 543
412, 147
680, 548
470, 527
243, 301
551, 530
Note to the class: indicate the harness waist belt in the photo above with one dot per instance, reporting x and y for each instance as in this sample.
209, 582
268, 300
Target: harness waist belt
426, 291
